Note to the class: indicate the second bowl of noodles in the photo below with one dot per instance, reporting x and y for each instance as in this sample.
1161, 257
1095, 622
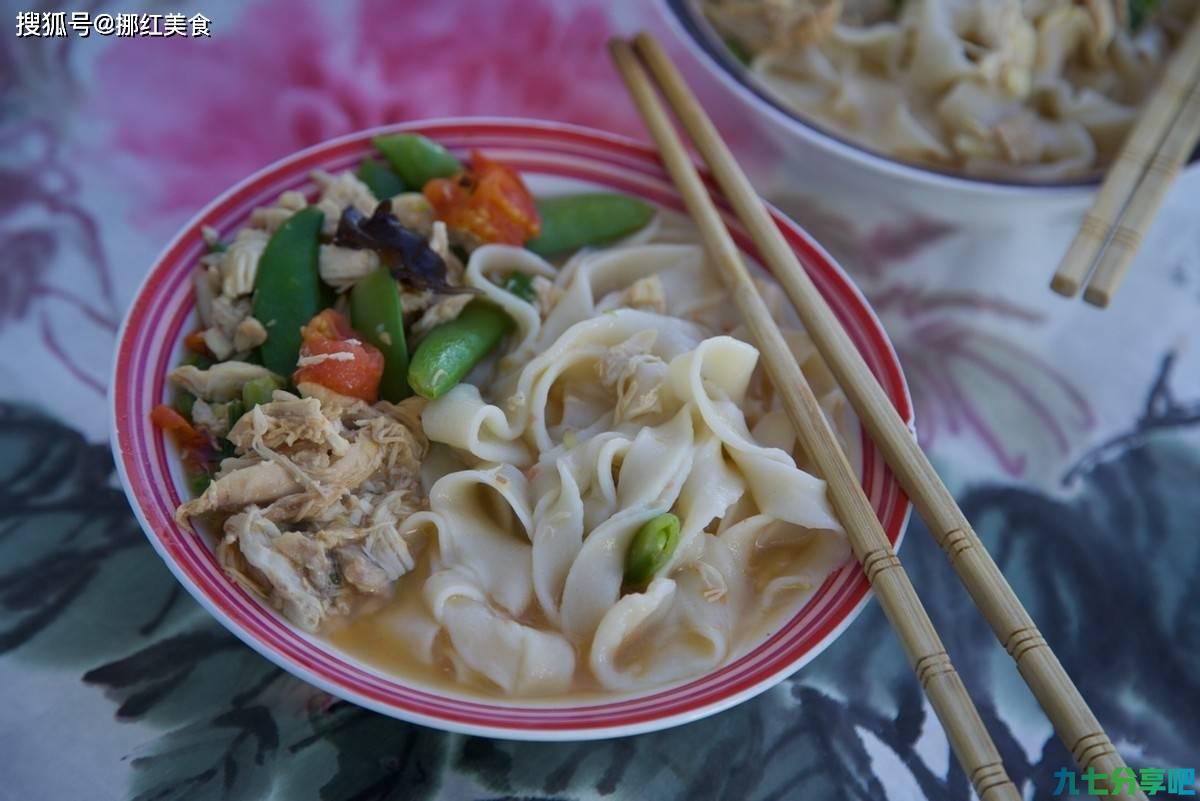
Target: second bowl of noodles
960, 111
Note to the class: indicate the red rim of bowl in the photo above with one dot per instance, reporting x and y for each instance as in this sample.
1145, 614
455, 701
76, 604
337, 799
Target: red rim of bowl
155, 324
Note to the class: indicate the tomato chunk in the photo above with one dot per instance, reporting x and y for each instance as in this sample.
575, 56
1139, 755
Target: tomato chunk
488, 200
335, 356
197, 450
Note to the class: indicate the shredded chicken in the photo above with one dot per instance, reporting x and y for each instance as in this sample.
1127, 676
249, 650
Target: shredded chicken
316, 495
228, 313
208, 285
445, 309
414, 212
213, 418
339, 192
269, 218
635, 374
218, 344
286, 421
239, 263
647, 294
221, 382
248, 334
342, 268
546, 295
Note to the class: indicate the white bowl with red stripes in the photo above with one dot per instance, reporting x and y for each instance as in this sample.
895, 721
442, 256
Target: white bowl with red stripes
550, 156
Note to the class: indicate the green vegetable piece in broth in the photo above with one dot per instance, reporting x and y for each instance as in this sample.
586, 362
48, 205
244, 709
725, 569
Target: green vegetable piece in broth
380, 179
521, 285
416, 159
376, 312
570, 222
449, 351
287, 289
650, 549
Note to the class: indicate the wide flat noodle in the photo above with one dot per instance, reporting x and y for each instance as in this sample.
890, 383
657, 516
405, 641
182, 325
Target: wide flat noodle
629, 396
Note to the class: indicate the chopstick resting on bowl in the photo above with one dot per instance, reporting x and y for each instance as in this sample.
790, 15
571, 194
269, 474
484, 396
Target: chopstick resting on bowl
1058, 696
968, 737
1164, 136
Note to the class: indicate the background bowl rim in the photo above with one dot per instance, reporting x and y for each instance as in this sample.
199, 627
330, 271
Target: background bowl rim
126, 456
697, 33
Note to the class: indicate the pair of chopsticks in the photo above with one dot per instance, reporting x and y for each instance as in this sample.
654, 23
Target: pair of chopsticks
972, 745
1164, 136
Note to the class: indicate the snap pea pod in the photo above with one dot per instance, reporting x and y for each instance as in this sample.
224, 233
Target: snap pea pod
287, 288
570, 222
449, 351
377, 313
380, 179
650, 549
259, 390
416, 159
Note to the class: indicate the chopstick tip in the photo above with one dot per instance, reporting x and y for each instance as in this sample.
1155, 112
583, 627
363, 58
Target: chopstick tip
1064, 285
619, 48
1100, 298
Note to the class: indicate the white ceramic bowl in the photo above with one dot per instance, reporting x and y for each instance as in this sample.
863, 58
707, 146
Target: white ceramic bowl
797, 164
548, 156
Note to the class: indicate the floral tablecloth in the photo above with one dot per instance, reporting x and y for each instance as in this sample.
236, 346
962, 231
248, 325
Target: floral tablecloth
1069, 436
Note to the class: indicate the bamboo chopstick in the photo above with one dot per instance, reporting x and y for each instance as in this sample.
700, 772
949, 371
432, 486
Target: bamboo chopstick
1058, 696
1139, 213
1129, 171
971, 743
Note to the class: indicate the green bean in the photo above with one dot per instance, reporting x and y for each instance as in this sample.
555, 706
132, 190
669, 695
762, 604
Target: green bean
650, 549
377, 313
259, 390
184, 401
521, 285
380, 179
570, 222
234, 411
415, 159
287, 289
449, 351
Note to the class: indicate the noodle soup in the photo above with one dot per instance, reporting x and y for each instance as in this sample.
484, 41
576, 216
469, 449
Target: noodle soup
1029, 90
518, 447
